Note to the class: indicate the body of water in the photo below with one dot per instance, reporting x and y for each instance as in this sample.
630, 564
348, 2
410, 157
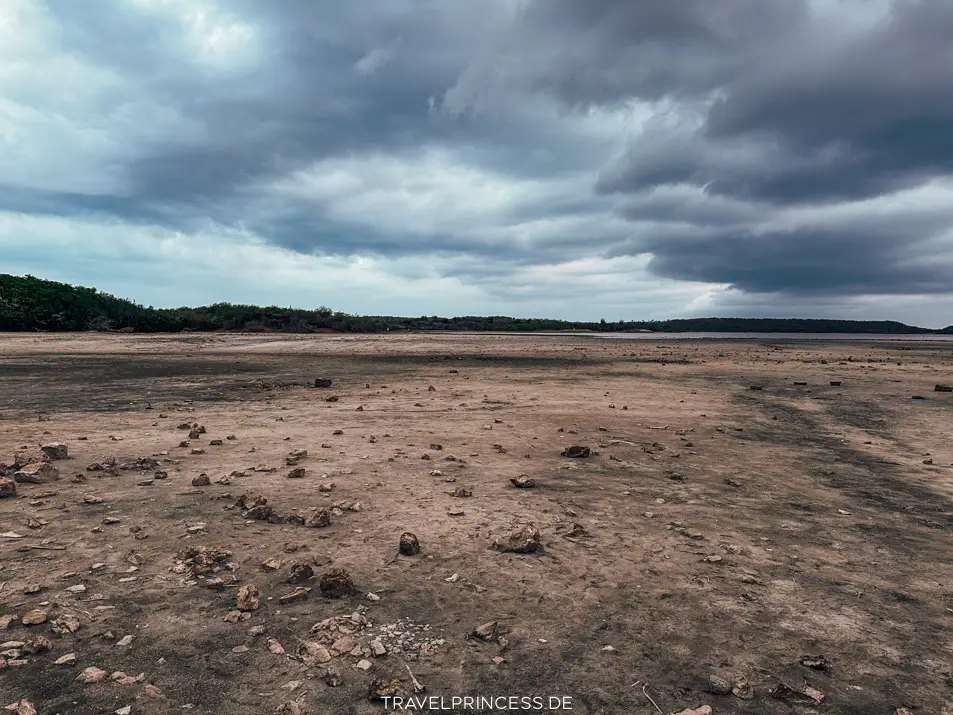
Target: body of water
759, 336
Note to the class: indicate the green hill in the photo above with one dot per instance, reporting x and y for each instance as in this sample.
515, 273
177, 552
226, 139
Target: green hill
33, 304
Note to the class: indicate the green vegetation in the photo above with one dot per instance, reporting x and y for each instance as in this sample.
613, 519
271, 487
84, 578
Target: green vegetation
28, 303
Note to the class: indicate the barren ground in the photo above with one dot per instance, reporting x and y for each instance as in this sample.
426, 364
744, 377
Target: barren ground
831, 537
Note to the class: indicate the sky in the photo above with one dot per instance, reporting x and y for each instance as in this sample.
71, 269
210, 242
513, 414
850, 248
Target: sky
578, 159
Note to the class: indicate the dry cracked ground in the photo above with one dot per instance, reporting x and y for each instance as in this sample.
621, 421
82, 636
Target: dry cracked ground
223, 536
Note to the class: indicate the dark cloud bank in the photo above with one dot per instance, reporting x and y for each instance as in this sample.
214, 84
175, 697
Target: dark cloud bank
780, 146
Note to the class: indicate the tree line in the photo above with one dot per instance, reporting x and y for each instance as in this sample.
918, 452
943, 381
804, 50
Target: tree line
28, 303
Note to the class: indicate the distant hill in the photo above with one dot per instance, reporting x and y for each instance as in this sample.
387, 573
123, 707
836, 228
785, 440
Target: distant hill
33, 304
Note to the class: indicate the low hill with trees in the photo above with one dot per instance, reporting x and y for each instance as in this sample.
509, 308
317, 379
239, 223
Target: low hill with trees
33, 304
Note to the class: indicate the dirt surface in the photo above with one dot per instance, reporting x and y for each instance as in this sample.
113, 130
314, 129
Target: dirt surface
796, 534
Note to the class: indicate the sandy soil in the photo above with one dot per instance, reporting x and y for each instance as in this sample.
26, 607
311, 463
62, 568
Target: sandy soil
721, 530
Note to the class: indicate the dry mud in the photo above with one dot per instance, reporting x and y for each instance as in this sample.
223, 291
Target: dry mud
714, 530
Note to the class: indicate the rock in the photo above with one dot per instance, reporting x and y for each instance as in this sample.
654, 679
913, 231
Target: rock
525, 540
92, 675
68, 659
22, 707
262, 512
409, 545
742, 689
56, 450
318, 519
703, 710
576, 452
388, 688
7, 621
718, 685
8, 488
36, 644
322, 382
92, 499
247, 598
364, 665
326, 487
755, 387
33, 618
37, 473
66, 624
299, 594
297, 473
523, 481
314, 653
198, 450
377, 648
835, 383
275, 647
490, 632
943, 388
300, 572
215, 443
461, 493
816, 662
125, 640
271, 564
805, 693
236, 616
336, 583
293, 707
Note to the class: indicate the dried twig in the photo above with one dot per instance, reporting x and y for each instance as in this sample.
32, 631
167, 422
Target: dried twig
645, 693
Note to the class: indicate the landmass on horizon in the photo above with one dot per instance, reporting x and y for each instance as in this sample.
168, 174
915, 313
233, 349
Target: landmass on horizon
28, 303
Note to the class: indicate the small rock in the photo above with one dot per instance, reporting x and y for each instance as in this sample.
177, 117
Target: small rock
201, 481
33, 618
37, 473
275, 647
525, 540
703, 710
299, 594
364, 665
22, 707
68, 659
409, 545
65, 625
322, 382
300, 572
387, 688
8, 488
318, 519
92, 675
36, 644
523, 481
247, 598
125, 640
943, 388
297, 473
377, 648
461, 492
718, 685
336, 583
576, 452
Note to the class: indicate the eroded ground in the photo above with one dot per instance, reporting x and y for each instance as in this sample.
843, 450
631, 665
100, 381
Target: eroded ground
724, 530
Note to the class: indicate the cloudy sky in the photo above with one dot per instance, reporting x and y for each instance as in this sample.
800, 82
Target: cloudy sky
582, 159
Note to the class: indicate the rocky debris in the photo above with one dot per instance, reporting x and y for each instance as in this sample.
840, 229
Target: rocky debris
8, 488
835, 383
378, 649
491, 632
299, 594
21, 707
299, 572
816, 662
34, 617
326, 487
336, 583
523, 481
55, 450
703, 710
314, 653
297, 473
318, 519
202, 560
7, 621
68, 659
525, 540
36, 473
461, 493
322, 382
92, 499
943, 388
271, 564
65, 624
805, 693
409, 545
247, 598
275, 647
295, 456
382, 688
576, 452
215, 443
756, 387
92, 675
201, 480
718, 685
236, 616
264, 468
293, 707
36, 644
578, 531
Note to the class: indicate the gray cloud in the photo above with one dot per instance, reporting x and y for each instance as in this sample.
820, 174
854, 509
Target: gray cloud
738, 142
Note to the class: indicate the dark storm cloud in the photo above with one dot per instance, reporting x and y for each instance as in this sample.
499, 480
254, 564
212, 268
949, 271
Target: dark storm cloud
744, 117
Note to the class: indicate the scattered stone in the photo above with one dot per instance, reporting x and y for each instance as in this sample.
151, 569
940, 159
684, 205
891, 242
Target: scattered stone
461, 493
36, 644
718, 685
576, 452
236, 616
21, 707
297, 473
111, 520
491, 632
34, 618
525, 540
92, 675
523, 481
755, 387
816, 662
835, 383
293, 707
322, 382
56, 450
326, 487
318, 519
36, 473
943, 388
92, 499
300, 572
382, 688
125, 640
275, 647
377, 648
271, 564
8, 488
336, 583
198, 450
409, 545
247, 598
215, 443
783, 691
68, 659
364, 665
703, 710
7, 621
299, 594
